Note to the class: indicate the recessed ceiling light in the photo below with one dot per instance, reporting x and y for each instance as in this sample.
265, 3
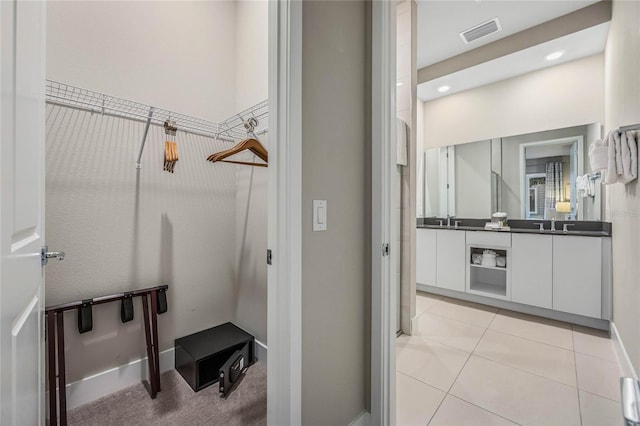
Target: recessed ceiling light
555, 55
443, 89
399, 83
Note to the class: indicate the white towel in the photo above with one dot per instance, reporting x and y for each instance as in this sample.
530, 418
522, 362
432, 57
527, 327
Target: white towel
598, 154
619, 154
611, 176
629, 158
585, 186
402, 133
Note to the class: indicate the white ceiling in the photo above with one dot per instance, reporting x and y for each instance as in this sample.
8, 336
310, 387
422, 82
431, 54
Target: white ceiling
440, 22
577, 45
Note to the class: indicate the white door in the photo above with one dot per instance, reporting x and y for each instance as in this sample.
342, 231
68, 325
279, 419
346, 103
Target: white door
22, 26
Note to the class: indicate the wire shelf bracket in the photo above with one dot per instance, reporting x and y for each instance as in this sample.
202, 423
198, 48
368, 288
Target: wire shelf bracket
144, 139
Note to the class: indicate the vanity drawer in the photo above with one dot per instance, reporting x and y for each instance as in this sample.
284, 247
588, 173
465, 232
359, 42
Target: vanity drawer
489, 238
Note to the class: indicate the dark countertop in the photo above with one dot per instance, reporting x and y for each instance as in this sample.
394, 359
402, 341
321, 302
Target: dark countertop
580, 228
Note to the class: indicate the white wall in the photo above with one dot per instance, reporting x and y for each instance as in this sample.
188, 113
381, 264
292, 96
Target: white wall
121, 230
175, 55
251, 197
565, 95
420, 157
622, 88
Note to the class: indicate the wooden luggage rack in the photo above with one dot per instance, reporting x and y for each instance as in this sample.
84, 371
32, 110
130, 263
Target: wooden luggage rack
55, 328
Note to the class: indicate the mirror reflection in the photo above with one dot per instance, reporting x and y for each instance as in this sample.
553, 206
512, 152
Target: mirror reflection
543, 175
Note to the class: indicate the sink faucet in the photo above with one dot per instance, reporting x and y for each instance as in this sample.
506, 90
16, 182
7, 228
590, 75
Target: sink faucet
456, 223
449, 221
564, 227
541, 224
553, 224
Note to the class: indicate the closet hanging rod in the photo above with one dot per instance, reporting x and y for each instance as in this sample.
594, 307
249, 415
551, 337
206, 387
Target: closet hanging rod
630, 128
229, 130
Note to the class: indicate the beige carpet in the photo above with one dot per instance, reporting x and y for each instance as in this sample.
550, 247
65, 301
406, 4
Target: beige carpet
178, 404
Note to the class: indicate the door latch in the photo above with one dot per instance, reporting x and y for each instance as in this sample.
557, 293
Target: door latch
46, 255
385, 249
269, 257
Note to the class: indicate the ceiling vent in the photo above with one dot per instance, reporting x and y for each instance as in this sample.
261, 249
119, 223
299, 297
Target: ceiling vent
482, 30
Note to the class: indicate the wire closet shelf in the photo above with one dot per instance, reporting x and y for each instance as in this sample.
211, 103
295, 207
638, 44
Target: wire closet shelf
232, 129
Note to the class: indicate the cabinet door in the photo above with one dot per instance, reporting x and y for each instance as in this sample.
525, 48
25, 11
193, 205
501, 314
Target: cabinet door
577, 275
451, 269
531, 269
426, 256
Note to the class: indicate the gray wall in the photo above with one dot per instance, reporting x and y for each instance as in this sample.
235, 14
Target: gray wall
334, 167
473, 179
622, 89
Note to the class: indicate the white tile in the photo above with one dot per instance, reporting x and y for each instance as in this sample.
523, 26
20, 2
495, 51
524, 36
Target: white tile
534, 328
598, 376
430, 362
409, 353
522, 397
470, 313
537, 358
456, 412
425, 301
449, 332
593, 342
415, 401
598, 411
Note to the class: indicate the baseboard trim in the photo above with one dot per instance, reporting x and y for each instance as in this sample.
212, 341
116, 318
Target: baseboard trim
621, 353
261, 352
115, 379
364, 419
415, 326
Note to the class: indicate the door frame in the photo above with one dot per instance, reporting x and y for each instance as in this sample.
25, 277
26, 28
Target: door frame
579, 140
383, 292
285, 213
284, 234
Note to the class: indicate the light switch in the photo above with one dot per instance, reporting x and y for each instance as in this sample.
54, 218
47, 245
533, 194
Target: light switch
319, 215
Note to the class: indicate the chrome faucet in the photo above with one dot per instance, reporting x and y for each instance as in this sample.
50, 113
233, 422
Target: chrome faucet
456, 223
564, 227
449, 221
553, 224
441, 222
541, 224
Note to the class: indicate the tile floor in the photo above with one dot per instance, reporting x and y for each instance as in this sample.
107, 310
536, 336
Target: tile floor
477, 365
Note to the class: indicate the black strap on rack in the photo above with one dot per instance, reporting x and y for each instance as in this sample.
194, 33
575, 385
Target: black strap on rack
85, 316
126, 307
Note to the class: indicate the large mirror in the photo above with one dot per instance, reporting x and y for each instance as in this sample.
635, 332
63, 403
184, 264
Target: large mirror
539, 176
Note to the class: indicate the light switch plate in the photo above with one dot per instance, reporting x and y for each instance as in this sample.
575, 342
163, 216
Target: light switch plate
319, 215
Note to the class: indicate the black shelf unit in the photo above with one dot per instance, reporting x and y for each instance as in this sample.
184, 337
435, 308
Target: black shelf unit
199, 356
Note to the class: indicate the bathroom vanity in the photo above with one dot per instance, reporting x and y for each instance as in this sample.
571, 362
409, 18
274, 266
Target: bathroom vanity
554, 274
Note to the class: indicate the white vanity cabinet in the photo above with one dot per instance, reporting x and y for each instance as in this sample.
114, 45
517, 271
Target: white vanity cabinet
532, 270
578, 275
426, 256
450, 259
490, 280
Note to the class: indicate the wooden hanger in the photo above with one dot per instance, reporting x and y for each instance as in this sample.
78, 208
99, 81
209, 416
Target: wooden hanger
250, 144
